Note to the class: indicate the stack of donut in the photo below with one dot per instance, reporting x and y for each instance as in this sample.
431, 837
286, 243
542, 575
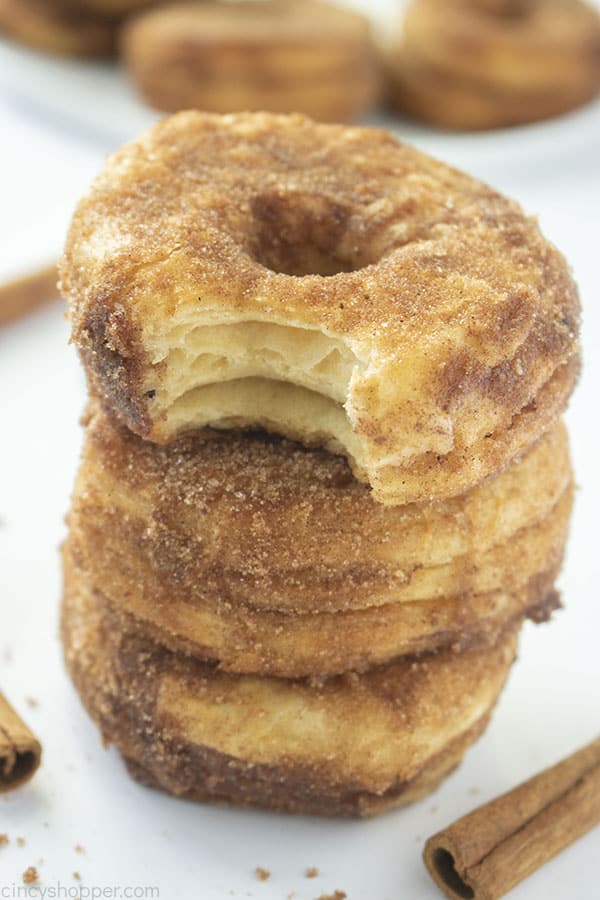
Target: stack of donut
324, 478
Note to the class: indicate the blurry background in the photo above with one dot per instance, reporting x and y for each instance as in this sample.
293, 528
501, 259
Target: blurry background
58, 120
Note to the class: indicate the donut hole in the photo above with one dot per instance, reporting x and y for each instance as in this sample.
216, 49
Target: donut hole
303, 234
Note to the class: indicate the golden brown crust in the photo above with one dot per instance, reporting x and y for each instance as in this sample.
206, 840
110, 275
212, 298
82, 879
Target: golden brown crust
54, 29
267, 557
472, 65
290, 56
353, 745
463, 333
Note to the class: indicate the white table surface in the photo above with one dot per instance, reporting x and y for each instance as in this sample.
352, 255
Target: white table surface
134, 837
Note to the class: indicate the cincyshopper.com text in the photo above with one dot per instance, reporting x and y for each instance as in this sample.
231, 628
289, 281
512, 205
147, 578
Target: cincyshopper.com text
59, 891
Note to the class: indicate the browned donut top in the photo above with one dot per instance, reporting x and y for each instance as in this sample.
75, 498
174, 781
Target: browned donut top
424, 252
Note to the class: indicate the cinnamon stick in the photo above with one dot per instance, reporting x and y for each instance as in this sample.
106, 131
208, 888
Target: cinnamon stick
20, 751
486, 853
19, 297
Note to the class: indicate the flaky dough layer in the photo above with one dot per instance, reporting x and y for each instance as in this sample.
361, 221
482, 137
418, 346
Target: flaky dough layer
355, 745
437, 343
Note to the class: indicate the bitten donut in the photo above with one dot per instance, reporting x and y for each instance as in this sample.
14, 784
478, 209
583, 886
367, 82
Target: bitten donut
268, 558
352, 746
325, 282
55, 29
476, 64
289, 56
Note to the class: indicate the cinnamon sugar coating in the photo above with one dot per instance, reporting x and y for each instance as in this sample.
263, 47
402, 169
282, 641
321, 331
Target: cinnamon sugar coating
355, 745
268, 557
291, 56
437, 341
468, 64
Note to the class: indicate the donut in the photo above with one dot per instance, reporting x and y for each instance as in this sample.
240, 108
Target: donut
269, 558
493, 63
329, 284
351, 746
68, 27
47, 27
290, 56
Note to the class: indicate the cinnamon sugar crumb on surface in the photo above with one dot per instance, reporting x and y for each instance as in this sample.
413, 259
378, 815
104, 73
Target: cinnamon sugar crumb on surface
337, 895
262, 874
30, 875
77, 876
311, 872
78, 848
3, 840
20, 842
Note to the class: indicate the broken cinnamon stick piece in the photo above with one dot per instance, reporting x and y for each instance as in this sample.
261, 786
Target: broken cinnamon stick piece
489, 851
19, 297
20, 751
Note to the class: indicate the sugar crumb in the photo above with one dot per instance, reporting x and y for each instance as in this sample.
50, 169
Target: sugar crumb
77, 876
262, 874
30, 875
20, 842
337, 895
311, 872
3, 840
78, 848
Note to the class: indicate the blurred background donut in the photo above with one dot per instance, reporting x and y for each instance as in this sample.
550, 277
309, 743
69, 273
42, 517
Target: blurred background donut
474, 64
308, 57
